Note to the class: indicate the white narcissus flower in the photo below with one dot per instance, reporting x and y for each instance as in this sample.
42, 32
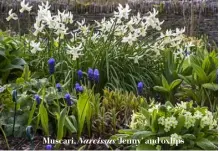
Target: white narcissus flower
130, 39
120, 30
123, 12
152, 21
82, 27
136, 57
25, 7
35, 46
38, 28
11, 16
61, 30
75, 51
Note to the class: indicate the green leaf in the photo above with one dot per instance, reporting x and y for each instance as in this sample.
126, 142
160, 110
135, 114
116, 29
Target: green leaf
189, 137
142, 134
82, 108
187, 79
212, 76
44, 119
2, 53
175, 84
165, 83
206, 144
146, 114
210, 86
127, 131
160, 89
31, 113
179, 127
61, 122
69, 125
200, 73
154, 122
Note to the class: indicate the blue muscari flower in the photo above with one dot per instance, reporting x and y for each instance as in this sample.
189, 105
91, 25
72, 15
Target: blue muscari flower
96, 75
51, 63
78, 87
59, 87
37, 98
48, 147
80, 74
14, 95
90, 74
68, 99
140, 87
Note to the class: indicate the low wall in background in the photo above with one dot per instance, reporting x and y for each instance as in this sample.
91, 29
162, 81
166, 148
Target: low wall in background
174, 13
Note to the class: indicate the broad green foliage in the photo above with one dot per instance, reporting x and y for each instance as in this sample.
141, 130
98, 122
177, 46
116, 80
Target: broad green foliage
84, 111
183, 125
194, 78
11, 62
201, 86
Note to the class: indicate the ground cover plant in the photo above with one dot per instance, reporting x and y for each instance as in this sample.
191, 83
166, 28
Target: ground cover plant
119, 78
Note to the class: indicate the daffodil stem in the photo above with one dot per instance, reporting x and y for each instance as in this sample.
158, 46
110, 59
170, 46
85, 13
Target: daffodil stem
15, 106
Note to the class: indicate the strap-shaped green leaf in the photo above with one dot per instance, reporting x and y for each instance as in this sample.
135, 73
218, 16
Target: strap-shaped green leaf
175, 84
44, 119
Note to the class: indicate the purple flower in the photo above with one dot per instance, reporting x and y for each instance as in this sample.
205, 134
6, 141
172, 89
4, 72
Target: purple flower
78, 88
80, 74
68, 99
90, 74
96, 75
59, 87
51, 63
140, 87
37, 98
48, 147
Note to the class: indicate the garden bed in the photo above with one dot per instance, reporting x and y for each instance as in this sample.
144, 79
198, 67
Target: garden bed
118, 83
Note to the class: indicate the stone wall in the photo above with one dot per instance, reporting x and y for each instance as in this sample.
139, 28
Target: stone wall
174, 13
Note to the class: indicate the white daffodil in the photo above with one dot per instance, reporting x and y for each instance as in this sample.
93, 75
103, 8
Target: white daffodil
122, 12
178, 53
120, 30
35, 46
189, 45
82, 27
65, 17
25, 7
38, 28
136, 57
74, 51
137, 19
95, 37
11, 16
130, 39
61, 30
45, 6
180, 31
152, 21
